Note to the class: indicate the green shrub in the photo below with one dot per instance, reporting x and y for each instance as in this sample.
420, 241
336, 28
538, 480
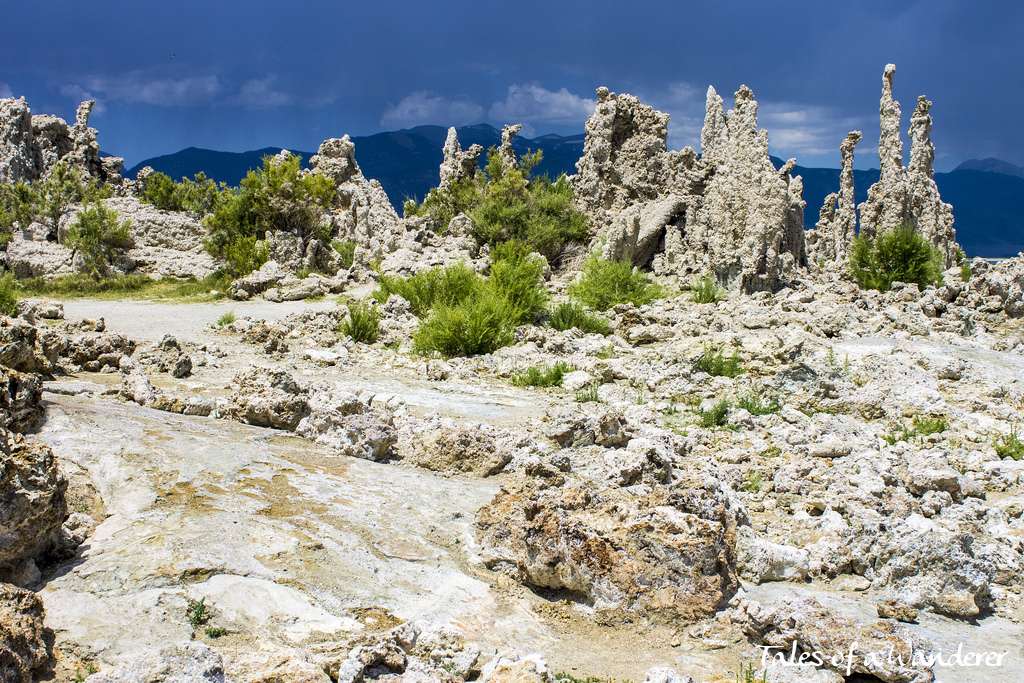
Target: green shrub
226, 319
604, 284
98, 236
363, 322
8, 294
717, 416
19, 204
481, 323
714, 362
752, 482
901, 255
197, 613
65, 185
446, 286
965, 272
1009, 445
515, 276
919, 427
215, 631
347, 251
274, 198
245, 255
505, 203
163, 193
568, 315
705, 290
542, 377
760, 402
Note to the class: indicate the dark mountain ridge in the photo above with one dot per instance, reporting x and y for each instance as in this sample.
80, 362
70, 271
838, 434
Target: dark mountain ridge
988, 201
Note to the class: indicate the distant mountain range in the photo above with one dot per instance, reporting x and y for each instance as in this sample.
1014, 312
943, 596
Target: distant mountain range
987, 195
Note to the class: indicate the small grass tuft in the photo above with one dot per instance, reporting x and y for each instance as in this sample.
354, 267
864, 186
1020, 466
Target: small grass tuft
760, 402
9, 294
1009, 445
347, 251
705, 290
362, 323
568, 315
714, 362
226, 319
717, 416
215, 631
536, 376
588, 394
752, 482
196, 613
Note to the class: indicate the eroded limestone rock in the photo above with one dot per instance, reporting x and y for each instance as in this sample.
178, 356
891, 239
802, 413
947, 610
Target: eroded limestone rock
457, 164
837, 221
665, 555
907, 196
267, 397
25, 644
730, 213
16, 161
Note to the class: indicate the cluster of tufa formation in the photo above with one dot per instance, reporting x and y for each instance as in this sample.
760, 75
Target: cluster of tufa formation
729, 212
30, 146
902, 196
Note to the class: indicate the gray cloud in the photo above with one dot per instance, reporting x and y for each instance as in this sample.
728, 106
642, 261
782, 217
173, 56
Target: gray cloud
534, 104
425, 107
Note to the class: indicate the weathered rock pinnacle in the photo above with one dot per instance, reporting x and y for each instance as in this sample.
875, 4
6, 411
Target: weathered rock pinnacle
457, 164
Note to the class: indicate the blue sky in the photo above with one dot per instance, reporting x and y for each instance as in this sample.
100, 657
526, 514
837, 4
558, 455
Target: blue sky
234, 76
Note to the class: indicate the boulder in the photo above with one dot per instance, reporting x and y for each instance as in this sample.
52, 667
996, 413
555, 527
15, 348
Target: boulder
267, 397
187, 662
26, 646
664, 555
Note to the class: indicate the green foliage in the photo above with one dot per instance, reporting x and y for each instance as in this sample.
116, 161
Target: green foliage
1009, 445
714, 362
274, 198
749, 675
201, 196
918, 427
606, 283
98, 236
515, 276
479, 324
705, 290
760, 402
245, 254
444, 286
505, 203
752, 482
410, 208
717, 416
965, 272
363, 322
226, 319
347, 251
65, 185
18, 205
215, 631
588, 394
901, 255
196, 613
8, 294
536, 376
568, 315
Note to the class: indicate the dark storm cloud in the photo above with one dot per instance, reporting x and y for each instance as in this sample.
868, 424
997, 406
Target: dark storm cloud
235, 75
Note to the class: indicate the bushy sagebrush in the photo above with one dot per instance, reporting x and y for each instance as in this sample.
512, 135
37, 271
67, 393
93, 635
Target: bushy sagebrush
568, 315
201, 196
8, 294
18, 205
479, 324
717, 416
760, 402
274, 198
362, 323
62, 186
901, 255
606, 283
515, 276
445, 286
98, 236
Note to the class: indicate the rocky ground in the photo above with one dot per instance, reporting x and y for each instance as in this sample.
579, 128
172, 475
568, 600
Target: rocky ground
340, 511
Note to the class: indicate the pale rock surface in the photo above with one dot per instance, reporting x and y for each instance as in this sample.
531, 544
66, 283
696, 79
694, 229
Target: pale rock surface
457, 164
267, 397
16, 162
187, 662
829, 242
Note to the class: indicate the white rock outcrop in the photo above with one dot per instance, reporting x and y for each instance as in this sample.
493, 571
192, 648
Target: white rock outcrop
730, 213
